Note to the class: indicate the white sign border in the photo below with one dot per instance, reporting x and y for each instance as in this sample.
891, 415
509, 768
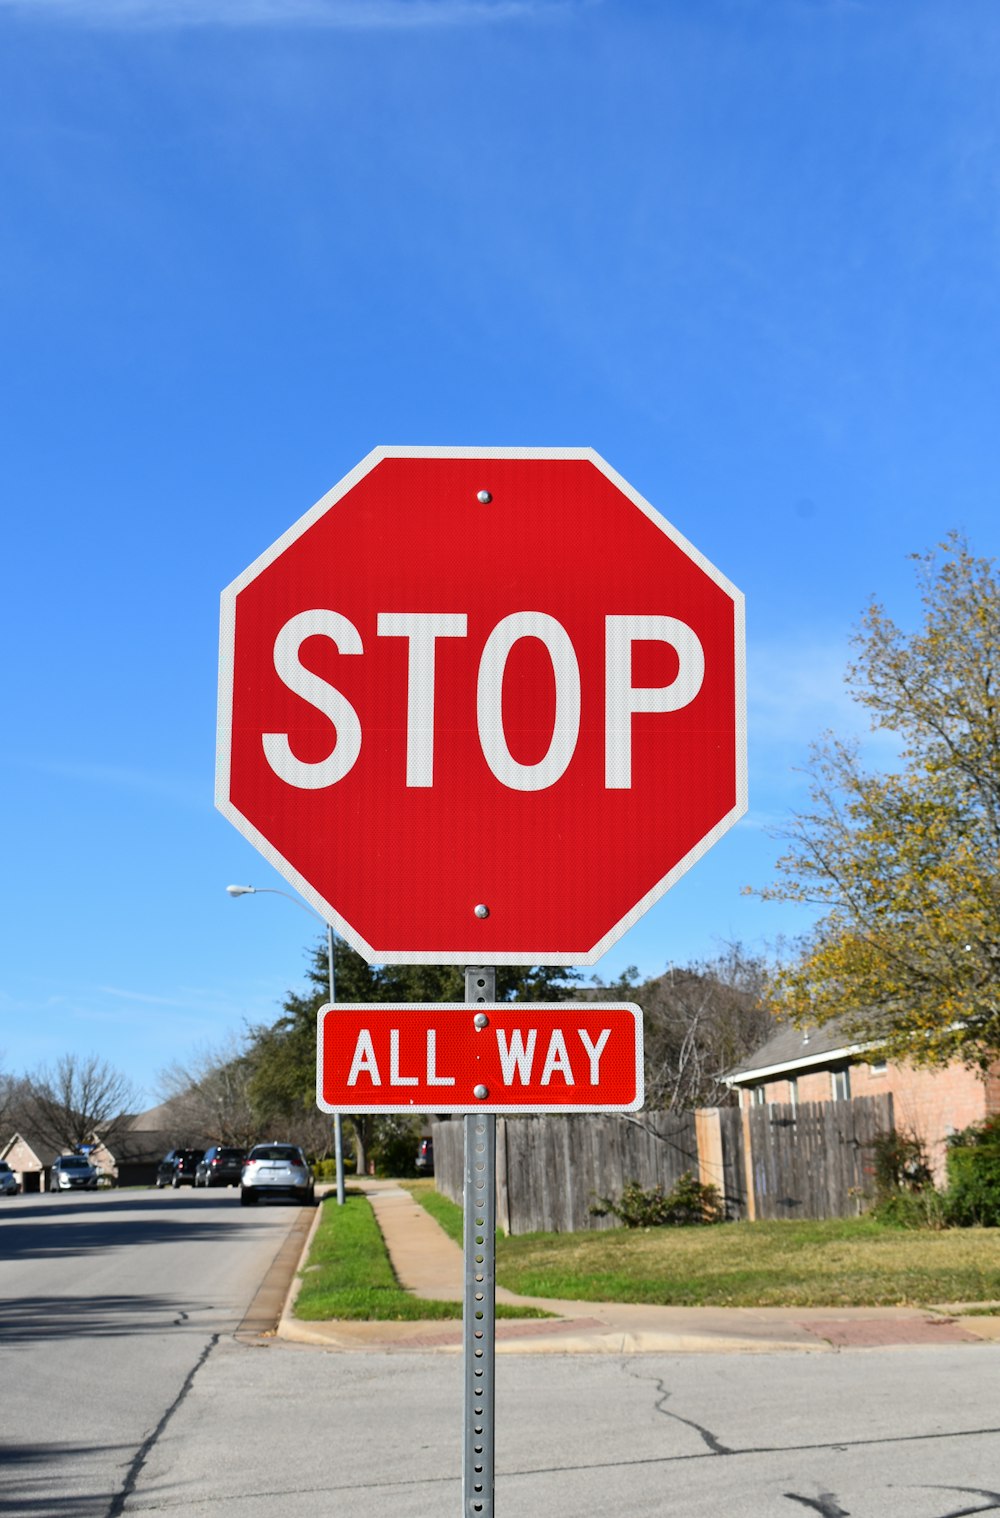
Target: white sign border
499, 1108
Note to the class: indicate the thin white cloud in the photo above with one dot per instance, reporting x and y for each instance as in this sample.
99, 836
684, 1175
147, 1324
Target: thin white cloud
139, 996
795, 692
342, 15
184, 999
122, 777
12, 1004
759, 821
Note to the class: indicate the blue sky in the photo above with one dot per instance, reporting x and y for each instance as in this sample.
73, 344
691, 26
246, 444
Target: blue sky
746, 251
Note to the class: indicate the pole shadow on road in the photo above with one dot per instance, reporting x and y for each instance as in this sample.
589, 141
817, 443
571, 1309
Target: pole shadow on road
34, 1478
125, 1222
30, 1320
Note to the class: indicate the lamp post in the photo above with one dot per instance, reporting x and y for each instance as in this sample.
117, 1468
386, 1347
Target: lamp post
248, 890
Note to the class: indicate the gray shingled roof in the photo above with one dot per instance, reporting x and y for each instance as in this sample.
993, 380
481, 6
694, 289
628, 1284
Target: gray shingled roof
790, 1045
43, 1151
160, 1118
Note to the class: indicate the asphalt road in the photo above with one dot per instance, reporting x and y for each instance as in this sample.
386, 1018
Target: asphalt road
109, 1304
128, 1389
910, 1433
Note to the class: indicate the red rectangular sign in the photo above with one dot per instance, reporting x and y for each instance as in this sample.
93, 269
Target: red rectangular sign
494, 1057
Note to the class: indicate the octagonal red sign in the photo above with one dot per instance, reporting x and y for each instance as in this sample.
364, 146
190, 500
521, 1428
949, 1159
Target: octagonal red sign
482, 706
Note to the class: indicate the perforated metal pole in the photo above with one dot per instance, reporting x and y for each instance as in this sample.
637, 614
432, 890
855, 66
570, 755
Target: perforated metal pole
338, 1131
479, 1303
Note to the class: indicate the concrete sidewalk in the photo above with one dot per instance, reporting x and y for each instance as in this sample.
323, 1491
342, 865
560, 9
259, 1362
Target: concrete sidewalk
430, 1265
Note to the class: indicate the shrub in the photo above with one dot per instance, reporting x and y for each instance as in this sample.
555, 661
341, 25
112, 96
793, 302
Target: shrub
688, 1202
900, 1164
394, 1147
974, 1175
912, 1209
904, 1185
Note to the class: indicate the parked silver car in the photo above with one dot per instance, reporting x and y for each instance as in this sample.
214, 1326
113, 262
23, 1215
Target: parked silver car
276, 1170
72, 1172
8, 1180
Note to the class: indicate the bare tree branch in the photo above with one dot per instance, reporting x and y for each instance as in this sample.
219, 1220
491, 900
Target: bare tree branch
68, 1104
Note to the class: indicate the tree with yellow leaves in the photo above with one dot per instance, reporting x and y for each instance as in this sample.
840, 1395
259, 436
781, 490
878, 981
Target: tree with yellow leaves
906, 866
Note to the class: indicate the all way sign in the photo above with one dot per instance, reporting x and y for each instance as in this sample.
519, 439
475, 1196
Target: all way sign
490, 1057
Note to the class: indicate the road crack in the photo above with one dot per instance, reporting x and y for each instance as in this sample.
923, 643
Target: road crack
142, 1453
825, 1504
992, 1500
712, 1442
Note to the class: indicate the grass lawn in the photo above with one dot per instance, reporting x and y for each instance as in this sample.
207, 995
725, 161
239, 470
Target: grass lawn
833, 1263
440, 1208
348, 1273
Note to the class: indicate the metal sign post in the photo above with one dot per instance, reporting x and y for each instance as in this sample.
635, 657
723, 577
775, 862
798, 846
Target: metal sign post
479, 1301
479, 1057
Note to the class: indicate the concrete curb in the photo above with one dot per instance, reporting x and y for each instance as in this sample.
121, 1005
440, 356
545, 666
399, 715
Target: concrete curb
263, 1316
286, 1322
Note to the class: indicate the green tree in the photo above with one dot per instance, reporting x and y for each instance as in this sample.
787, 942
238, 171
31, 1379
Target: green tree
283, 1055
903, 865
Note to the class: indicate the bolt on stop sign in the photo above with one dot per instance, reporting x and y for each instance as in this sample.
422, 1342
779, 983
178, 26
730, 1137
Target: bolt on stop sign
482, 706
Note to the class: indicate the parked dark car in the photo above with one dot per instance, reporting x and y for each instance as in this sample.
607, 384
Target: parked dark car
165, 1169
220, 1166
425, 1157
185, 1167
178, 1167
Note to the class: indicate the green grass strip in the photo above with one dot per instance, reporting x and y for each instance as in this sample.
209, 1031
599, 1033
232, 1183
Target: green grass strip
349, 1275
442, 1210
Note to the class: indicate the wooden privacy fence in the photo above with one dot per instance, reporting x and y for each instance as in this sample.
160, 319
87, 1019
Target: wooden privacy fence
551, 1170
810, 1161
813, 1160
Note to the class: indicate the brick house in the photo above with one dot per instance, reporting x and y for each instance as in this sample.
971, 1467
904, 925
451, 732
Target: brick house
823, 1065
131, 1155
131, 1158
128, 1158
30, 1159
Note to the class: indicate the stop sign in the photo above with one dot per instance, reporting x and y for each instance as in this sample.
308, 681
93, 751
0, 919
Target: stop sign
482, 706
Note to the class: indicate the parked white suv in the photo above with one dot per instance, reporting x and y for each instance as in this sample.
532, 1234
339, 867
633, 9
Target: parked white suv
276, 1170
71, 1172
8, 1180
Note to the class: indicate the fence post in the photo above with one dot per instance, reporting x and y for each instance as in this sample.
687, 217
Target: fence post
503, 1196
708, 1137
748, 1163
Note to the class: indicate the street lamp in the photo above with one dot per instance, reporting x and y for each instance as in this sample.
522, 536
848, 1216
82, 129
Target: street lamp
248, 890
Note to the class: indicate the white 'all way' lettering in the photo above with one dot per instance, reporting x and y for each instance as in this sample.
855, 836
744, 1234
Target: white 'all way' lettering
517, 1055
365, 1062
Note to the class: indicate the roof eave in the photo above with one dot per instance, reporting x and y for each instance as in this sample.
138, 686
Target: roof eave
806, 1062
